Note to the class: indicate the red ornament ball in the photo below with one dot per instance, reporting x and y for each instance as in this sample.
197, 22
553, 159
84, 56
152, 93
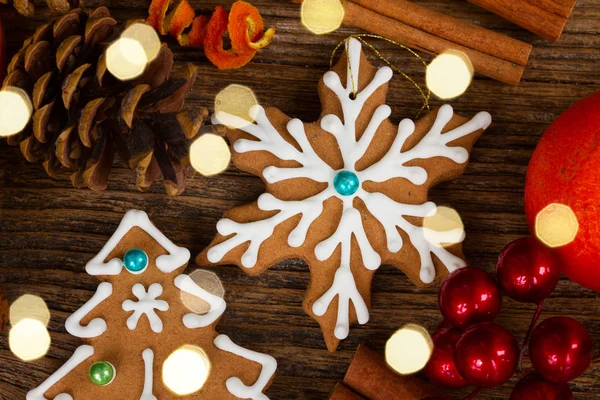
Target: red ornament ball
469, 296
534, 387
560, 349
564, 169
527, 270
487, 355
441, 368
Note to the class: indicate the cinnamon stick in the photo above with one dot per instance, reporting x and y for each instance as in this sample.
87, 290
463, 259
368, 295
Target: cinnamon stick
452, 29
341, 392
494, 67
545, 18
369, 375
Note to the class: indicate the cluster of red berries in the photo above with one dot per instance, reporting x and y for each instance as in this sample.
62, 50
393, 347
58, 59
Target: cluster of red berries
471, 349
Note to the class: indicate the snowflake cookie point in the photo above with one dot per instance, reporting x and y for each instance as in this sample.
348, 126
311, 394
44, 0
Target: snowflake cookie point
407, 125
152, 296
331, 79
484, 118
427, 275
341, 332
256, 110
295, 124
249, 259
385, 73
373, 180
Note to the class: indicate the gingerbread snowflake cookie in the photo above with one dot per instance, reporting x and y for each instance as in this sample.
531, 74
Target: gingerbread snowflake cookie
346, 194
143, 339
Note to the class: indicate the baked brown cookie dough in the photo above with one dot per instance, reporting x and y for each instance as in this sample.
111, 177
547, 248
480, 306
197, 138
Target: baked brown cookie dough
347, 193
139, 317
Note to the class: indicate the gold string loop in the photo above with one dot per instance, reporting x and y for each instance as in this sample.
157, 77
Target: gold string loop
426, 94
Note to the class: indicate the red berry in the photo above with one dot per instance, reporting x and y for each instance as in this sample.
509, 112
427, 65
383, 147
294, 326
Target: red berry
560, 349
534, 387
527, 270
487, 355
441, 368
468, 296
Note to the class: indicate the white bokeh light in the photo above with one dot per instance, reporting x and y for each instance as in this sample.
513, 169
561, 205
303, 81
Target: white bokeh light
186, 370
449, 75
29, 339
408, 350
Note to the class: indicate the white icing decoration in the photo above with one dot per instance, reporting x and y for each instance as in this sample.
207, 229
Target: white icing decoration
234, 384
433, 144
148, 356
148, 302
217, 304
344, 286
259, 231
350, 223
270, 140
81, 354
391, 215
97, 326
177, 257
388, 212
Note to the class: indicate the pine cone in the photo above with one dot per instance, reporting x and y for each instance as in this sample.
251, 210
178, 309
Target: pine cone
83, 115
27, 7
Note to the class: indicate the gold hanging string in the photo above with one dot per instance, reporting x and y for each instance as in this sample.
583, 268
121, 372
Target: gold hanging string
426, 94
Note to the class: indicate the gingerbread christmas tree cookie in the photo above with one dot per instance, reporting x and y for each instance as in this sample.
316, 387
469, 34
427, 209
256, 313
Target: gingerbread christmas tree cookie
347, 193
143, 339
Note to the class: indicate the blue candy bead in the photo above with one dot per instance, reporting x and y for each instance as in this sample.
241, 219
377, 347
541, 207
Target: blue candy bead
135, 260
346, 183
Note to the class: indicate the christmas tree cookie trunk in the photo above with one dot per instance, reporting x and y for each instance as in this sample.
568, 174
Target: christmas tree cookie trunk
137, 319
347, 193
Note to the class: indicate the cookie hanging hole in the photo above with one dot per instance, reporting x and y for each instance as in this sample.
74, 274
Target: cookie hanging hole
352, 96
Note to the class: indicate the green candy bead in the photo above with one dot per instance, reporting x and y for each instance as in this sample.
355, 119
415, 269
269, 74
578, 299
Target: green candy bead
102, 373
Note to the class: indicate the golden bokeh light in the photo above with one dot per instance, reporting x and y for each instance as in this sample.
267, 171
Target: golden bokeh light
408, 350
233, 105
556, 225
449, 74
210, 155
146, 36
208, 281
444, 227
15, 111
186, 370
126, 59
29, 306
322, 16
29, 339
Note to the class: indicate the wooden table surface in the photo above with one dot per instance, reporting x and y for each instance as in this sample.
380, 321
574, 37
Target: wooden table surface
48, 230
